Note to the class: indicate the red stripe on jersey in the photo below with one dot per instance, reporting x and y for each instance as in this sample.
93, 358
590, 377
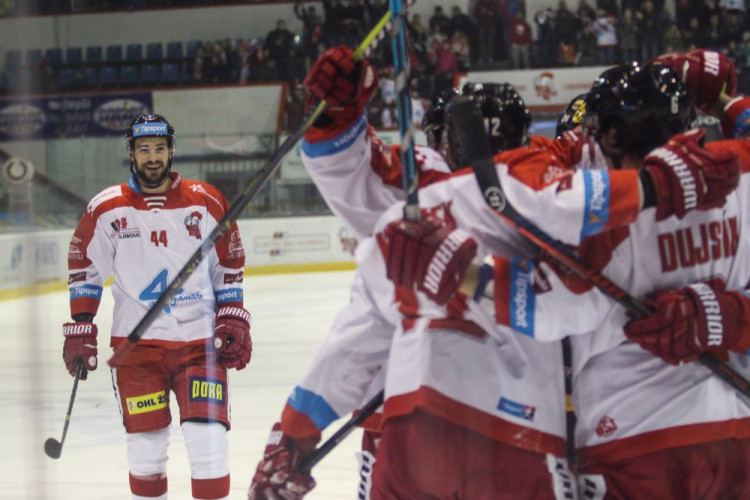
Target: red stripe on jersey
625, 197
297, 425
672, 437
502, 290
491, 426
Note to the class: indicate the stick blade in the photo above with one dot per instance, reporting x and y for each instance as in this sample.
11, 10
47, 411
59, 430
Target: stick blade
53, 448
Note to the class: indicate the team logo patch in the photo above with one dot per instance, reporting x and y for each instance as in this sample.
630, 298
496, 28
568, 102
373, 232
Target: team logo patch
520, 410
606, 427
192, 223
146, 403
208, 390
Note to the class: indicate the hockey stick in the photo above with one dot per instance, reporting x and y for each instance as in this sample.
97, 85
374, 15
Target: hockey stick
246, 196
470, 126
411, 208
53, 447
346, 429
403, 101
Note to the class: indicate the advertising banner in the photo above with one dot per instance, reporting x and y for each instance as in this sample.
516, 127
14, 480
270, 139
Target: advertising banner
94, 115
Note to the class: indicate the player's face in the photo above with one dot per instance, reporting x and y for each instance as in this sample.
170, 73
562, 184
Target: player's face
151, 159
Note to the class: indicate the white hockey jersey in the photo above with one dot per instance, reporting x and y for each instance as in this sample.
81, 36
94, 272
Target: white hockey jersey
359, 176
144, 240
627, 401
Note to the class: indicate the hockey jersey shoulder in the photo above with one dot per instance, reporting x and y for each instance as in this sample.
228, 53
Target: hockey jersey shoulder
536, 168
105, 197
194, 192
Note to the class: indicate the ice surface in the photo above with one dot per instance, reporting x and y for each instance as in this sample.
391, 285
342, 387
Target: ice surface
291, 315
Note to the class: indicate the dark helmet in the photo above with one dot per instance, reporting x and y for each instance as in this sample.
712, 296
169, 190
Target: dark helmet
647, 104
573, 115
432, 123
149, 126
506, 120
506, 117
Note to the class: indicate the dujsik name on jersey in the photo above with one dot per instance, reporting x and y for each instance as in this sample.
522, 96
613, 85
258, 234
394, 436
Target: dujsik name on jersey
689, 247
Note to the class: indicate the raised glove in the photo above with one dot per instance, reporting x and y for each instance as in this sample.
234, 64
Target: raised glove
345, 84
706, 74
232, 337
80, 344
687, 177
277, 475
690, 321
430, 255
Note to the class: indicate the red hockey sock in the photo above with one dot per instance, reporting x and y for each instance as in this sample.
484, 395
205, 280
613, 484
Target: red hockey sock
210, 489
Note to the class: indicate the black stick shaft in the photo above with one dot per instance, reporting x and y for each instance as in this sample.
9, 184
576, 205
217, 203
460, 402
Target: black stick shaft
52, 447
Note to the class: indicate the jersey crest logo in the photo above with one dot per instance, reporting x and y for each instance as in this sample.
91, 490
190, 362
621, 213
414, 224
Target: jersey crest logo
606, 427
192, 223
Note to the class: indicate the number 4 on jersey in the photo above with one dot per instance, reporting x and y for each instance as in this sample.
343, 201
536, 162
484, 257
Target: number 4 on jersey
153, 290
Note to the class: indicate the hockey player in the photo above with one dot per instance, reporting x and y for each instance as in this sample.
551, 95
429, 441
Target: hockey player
362, 331
646, 429
142, 232
337, 151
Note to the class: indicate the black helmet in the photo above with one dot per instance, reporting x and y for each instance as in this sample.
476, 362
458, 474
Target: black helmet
506, 117
432, 123
646, 103
149, 126
572, 116
506, 120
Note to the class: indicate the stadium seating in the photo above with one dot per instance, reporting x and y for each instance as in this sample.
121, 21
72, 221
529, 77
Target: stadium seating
170, 73
108, 77
134, 52
149, 75
175, 51
73, 56
113, 54
94, 54
128, 75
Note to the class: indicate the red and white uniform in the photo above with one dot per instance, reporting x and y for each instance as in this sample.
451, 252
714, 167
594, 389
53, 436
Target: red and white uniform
144, 240
360, 177
630, 405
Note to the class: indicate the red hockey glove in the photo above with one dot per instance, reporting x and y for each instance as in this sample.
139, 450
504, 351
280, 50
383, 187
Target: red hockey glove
345, 84
80, 344
687, 177
232, 337
706, 74
689, 321
430, 255
277, 475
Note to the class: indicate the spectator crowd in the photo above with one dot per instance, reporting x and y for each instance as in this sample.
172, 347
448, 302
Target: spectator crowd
494, 34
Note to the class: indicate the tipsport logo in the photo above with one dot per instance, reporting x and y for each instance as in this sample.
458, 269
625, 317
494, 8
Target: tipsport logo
150, 129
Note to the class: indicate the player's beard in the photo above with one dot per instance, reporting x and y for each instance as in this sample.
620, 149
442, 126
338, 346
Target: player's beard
149, 177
